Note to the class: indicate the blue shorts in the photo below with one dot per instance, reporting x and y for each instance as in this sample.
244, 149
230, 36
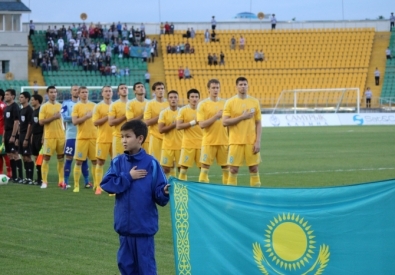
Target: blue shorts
69, 147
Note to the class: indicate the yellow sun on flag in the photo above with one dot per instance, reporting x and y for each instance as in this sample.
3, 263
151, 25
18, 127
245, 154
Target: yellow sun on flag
289, 241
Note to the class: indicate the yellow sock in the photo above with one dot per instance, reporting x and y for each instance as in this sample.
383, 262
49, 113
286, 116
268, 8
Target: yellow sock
60, 168
44, 171
98, 175
232, 179
77, 175
173, 172
203, 176
95, 184
183, 174
255, 180
225, 175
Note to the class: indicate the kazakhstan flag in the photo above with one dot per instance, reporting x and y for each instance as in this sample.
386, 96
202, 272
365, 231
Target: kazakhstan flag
238, 230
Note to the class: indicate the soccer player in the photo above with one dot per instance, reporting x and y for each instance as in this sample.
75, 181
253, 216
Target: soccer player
11, 125
25, 131
2, 152
192, 137
37, 133
135, 108
215, 135
117, 117
242, 116
71, 133
172, 138
151, 116
104, 134
54, 138
85, 145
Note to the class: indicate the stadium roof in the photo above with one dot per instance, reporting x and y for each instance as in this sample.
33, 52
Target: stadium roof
13, 6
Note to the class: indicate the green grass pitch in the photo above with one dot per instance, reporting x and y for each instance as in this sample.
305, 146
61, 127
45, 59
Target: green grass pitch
53, 231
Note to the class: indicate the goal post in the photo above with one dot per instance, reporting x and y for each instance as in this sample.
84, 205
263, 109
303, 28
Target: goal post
318, 101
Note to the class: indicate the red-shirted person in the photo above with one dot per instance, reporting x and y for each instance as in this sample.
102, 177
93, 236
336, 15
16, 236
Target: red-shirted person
181, 73
2, 149
167, 28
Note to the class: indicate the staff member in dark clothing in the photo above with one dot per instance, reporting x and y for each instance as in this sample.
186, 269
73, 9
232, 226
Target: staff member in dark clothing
26, 114
37, 134
11, 125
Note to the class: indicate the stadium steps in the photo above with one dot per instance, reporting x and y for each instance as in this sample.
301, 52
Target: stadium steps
33, 73
157, 69
377, 60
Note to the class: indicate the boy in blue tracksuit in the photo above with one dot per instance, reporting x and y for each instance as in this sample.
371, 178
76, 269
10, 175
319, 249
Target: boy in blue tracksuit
139, 184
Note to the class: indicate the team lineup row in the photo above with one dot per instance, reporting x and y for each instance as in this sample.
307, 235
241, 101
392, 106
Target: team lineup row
203, 131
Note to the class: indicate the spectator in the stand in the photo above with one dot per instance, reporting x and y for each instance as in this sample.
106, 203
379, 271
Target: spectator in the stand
147, 77
178, 49
167, 28
124, 34
168, 48
55, 65
143, 36
126, 51
388, 53
113, 69
180, 73
187, 34
222, 58
119, 28
174, 49
214, 37
127, 71
144, 54
162, 28
257, 56
60, 44
147, 42
152, 51
213, 23
368, 97
242, 43
210, 59
142, 27
273, 21
103, 47
193, 33
392, 21
137, 36
187, 73
206, 36
155, 46
215, 59
232, 43
171, 28
187, 47
107, 70
182, 47
377, 76
32, 28
192, 50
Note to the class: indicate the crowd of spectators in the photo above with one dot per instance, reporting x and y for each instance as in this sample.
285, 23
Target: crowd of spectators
93, 47
180, 48
213, 59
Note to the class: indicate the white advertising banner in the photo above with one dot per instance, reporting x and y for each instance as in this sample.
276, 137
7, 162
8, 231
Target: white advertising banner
291, 120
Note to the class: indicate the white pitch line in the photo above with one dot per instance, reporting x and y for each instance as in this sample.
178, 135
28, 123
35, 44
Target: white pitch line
316, 171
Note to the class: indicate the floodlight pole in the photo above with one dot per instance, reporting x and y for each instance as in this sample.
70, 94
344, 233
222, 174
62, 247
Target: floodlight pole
343, 9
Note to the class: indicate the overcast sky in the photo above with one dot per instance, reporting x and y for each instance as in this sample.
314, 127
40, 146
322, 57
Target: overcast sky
202, 10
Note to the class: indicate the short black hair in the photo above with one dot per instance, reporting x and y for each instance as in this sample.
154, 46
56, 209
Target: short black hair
192, 91
138, 127
212, 81
156, 84
2, 93
26, 95
241, 78
172, 92
121, 84
38, 97
11, 91
135, 84
50, 87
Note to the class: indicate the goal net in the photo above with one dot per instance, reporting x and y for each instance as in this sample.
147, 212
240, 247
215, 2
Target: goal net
318, 101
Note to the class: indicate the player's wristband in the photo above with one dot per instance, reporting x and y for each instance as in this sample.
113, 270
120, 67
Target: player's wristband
192, 123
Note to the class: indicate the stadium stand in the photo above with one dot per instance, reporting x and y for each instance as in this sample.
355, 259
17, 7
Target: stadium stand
294, 59
13, 84
388, 90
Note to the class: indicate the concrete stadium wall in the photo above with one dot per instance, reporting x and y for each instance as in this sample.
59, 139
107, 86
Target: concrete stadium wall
14, 47
154, 28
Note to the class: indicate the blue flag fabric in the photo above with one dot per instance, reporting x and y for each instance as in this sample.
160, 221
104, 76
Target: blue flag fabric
220, 229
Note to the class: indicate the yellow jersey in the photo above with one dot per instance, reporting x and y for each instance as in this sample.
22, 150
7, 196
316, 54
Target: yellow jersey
104, 131
216, 133
192, 137
54, 129
135, 108
244, 131
117, 109
86, 129
172, 139
153, 109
